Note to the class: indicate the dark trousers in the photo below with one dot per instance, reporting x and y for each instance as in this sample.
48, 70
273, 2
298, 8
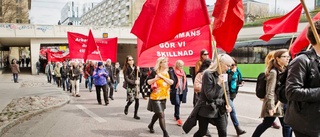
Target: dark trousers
267, 123
15, 77
58, 79
49, 77
110, 85
220, 122
105, 93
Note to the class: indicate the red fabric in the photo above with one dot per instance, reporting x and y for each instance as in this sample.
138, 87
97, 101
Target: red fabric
188, 43
162, 20
284, 24
228, 20
301, 41
180, 74
107, 46
91, 46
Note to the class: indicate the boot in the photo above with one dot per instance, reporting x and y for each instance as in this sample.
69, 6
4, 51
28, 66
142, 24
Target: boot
126, 110
136, 107
239, 131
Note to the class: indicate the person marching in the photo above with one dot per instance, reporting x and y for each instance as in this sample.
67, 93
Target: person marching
100, 74
234, 82
110, 78
160, 82
179, 89
270, 107
116, 76
130, 73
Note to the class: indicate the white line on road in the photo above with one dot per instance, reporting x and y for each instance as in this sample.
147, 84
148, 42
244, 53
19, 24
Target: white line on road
91, 114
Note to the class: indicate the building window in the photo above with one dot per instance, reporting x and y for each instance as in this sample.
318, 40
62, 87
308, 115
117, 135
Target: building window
18, 1
18, 20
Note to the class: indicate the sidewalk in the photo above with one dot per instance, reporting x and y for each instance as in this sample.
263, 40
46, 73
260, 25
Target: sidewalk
40, 96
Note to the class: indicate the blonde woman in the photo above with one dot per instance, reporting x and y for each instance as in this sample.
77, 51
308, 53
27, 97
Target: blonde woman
179, 89
160, 81
212, 104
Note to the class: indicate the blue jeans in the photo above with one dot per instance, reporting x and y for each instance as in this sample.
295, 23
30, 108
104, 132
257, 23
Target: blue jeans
15, 77
90, 80
233, 114
177, 106
267, 122
115, 84
65, 83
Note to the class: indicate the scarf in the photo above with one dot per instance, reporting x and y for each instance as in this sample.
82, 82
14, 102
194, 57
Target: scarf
180, 74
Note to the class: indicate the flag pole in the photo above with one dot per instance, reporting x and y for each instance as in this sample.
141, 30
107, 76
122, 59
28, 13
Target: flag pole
219, 66
99, 53
315, 33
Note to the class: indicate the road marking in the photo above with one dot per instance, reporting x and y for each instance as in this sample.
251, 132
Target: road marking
91, 114
256, 119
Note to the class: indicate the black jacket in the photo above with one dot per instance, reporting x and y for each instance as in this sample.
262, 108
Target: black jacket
130, 76
110, 69
211, 100
303, 94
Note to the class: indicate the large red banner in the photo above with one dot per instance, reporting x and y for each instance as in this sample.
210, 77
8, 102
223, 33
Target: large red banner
107, 46
185, 46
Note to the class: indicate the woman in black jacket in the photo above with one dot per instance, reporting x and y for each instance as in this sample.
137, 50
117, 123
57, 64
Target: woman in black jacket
130, 73
212, 105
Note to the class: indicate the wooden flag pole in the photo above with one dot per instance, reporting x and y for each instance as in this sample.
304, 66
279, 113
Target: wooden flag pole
315, 33
99, 53
219, 67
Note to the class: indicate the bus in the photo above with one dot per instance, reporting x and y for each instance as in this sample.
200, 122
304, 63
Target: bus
250, 55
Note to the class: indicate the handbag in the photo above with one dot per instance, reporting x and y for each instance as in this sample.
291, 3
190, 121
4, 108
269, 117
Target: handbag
146, 88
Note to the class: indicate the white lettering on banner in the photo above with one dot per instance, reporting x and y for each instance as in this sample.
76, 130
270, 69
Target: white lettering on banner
81, 40
175, 53
188, 34
82, 50
84, 45
95, 52
167, 45
180, 44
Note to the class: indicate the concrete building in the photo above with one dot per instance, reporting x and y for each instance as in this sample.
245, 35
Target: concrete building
86, 7
254, 9
14, 11
70, 13
113, 13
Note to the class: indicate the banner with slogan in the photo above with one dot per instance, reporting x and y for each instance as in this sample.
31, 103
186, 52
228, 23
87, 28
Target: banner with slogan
186, 46
107, 46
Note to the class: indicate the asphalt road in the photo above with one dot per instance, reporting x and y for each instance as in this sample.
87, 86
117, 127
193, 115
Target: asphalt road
86, 118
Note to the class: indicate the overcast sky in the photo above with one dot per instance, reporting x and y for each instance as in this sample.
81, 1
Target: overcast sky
48, 11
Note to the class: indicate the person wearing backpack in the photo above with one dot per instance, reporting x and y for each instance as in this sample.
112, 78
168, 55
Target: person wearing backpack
271, 109
234, 82
303, 90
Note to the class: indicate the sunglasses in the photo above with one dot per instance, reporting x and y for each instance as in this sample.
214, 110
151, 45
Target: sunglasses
205, 54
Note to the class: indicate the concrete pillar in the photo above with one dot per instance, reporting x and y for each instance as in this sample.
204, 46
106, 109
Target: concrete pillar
35, 51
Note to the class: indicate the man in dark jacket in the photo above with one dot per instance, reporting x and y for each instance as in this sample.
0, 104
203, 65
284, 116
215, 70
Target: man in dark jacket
303, 91
110, 79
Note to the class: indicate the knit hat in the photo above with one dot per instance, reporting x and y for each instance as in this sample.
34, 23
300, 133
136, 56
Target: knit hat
99, 64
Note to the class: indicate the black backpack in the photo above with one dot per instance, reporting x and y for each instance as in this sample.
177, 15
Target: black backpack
261, 85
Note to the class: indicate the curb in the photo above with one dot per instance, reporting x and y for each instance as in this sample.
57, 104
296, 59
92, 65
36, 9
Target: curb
23, 118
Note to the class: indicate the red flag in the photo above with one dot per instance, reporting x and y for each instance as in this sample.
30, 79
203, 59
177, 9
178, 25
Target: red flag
91, 46
228, 20
78, 43
301, 41
182, 48
161, 20
285, 24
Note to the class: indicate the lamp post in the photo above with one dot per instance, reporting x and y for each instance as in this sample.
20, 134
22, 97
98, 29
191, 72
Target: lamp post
275, 7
